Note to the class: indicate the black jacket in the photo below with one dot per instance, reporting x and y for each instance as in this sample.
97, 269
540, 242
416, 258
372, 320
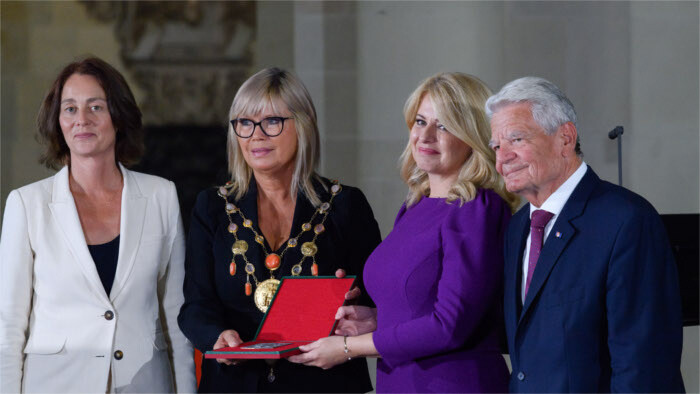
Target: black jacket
216, 301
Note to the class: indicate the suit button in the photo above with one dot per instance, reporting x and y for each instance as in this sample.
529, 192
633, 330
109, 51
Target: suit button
118, 355
521, 376
109, 315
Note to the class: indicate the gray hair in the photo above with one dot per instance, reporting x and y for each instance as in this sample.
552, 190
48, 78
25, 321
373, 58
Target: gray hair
549, 106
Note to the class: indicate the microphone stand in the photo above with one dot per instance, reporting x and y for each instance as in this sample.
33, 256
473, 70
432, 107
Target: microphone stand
617, 133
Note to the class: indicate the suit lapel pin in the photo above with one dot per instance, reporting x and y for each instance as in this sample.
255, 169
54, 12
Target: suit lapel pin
558, 234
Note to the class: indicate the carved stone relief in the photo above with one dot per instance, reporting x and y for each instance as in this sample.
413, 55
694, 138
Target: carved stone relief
189, 57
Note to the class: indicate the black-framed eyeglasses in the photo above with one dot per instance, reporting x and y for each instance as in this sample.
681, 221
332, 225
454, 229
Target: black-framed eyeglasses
271, 127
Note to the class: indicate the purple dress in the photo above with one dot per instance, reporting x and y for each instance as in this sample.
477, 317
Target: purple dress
437, 282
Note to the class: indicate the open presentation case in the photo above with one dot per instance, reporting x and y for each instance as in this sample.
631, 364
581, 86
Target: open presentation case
302, 311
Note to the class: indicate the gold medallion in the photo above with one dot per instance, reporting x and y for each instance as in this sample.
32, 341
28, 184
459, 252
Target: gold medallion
264, 293
309, 249
239, 247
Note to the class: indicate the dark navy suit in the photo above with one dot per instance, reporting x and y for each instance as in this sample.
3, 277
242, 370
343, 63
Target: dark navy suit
603, 310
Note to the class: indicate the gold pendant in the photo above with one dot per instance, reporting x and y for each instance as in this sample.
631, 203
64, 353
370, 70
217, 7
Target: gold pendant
239, 247
264, 292
308, 249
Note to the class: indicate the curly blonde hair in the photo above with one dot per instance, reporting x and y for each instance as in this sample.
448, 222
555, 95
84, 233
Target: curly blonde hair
458, 100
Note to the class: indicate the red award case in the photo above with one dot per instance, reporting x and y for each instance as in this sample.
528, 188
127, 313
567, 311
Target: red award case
302, 311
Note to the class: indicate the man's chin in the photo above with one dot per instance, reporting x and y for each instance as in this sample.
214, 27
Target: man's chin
514, 187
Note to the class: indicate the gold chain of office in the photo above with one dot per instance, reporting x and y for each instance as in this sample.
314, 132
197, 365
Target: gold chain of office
265, 290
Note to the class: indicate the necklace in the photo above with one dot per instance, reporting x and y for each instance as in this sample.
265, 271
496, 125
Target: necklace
265, 290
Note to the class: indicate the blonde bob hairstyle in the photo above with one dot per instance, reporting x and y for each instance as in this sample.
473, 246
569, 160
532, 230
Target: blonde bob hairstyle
458, 100
276, 88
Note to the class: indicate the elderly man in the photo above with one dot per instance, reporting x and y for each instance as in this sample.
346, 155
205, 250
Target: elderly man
592, 302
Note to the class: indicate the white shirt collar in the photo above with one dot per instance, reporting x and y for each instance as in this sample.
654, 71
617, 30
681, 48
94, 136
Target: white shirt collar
555, 202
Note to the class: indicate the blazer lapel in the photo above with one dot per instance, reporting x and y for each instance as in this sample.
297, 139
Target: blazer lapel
248, 204
516, 256
555, 245
65, 214
133, 213
549, 256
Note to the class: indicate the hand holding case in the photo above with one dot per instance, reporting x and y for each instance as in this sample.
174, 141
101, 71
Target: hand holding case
302, 311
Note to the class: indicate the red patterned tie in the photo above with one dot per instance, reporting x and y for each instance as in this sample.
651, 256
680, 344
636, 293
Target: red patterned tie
538, 221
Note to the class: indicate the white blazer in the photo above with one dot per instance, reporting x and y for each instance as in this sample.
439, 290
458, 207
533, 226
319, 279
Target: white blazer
59, 330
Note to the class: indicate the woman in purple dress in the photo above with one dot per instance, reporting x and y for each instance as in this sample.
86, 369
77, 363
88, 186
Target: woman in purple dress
436, 278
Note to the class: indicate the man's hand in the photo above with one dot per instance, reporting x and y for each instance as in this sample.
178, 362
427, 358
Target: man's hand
356, 320
354, 292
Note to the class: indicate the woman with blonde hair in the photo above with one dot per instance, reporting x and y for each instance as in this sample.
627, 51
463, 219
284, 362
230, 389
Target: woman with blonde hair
276, 217
437, 325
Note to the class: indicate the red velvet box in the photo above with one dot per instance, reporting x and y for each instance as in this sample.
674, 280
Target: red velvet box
302, 311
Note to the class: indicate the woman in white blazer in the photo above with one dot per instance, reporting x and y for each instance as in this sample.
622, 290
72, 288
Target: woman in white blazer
91, 259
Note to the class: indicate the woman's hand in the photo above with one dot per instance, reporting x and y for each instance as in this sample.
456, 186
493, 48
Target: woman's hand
227, 338
354, 292
325, 353
355, 320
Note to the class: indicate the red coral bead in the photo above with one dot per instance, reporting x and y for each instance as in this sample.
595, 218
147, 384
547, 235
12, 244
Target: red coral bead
232, 269
314, 269
248, 289
272, 261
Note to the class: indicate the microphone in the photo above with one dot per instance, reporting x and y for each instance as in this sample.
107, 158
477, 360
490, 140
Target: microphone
613, 134
616, 132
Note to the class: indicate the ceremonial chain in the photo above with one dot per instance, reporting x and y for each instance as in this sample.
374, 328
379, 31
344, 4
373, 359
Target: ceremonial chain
265, 290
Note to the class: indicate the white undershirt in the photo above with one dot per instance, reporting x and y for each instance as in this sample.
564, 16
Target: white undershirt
554, 204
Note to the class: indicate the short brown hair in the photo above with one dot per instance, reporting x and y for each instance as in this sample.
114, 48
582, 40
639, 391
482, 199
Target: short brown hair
125, 114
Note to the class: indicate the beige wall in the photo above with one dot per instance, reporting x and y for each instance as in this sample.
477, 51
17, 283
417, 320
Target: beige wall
38, 39
634, 64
